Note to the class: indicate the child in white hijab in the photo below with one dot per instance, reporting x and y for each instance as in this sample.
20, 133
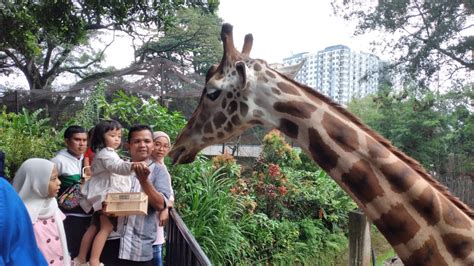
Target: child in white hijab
37, 183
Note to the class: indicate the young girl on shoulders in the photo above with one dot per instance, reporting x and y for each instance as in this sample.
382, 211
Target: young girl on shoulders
109, 174
37, 183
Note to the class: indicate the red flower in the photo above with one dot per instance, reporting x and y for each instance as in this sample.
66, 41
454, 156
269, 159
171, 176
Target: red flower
283, 190
273, 170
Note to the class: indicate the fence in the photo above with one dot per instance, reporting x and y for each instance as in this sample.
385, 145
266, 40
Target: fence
181, 247
461, 186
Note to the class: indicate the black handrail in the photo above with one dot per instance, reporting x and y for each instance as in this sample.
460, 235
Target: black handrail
181, 246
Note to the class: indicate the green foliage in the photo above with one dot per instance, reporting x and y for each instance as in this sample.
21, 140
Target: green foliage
208, 210
428, 39
430, 127
131, 110
90, 114
46, 38
277, 150
191, 42
25, 135
278, 195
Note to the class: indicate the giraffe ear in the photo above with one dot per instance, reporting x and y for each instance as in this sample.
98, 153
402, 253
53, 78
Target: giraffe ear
242, 72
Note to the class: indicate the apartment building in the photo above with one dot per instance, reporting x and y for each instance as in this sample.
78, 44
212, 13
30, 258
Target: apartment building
338, 72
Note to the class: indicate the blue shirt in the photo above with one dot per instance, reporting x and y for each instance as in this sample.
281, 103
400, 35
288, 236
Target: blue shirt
138, 232
17, 241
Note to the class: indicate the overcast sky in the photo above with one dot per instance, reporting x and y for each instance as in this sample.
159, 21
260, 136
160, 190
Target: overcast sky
282, 28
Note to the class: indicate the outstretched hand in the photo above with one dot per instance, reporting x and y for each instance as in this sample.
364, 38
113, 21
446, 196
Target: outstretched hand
142, 171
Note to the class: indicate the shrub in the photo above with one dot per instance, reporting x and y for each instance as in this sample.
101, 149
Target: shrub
26, 135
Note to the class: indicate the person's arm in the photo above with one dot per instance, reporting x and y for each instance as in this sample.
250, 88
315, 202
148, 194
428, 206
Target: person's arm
155, 199
112, 162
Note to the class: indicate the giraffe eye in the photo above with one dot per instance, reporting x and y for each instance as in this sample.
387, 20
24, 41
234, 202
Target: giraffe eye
213, 94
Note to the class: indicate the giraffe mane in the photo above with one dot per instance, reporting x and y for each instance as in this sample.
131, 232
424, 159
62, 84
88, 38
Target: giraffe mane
415, 165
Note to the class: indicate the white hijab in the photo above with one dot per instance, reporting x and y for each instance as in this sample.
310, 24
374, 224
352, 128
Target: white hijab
158, 134
31, 182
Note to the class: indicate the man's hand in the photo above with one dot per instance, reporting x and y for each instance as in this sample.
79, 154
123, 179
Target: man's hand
164, 217
142, 171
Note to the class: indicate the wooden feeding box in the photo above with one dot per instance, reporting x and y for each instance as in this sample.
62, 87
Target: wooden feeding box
124, 204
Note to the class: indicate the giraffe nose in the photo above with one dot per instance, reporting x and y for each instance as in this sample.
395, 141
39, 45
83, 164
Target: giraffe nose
180, 155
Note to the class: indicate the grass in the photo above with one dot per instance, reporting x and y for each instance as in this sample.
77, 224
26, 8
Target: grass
383, 250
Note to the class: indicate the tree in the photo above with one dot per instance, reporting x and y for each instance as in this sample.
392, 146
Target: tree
431, 127
43, 39
428, 39
192, 43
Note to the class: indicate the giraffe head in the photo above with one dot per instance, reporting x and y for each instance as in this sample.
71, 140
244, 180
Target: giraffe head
224, 110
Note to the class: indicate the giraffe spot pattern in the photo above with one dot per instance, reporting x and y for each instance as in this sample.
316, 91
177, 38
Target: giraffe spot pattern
259, 102
224, 103
257, 67
400, 176
228, 127
208, 139
258, 113
276, 91
345, 136
451, 215
219, 119
232, 107
208, 128
220, 135
270, 74
262, 79
236, 120
295, 108
458, 245
362, 182
255, 122
428, 206
312, 98
428, 254
321, 153
289, 128
376, 150
229, 95
288, 88
397, 225
244, 109
197, 127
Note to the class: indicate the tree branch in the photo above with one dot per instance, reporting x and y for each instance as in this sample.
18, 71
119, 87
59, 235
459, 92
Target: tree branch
47, 58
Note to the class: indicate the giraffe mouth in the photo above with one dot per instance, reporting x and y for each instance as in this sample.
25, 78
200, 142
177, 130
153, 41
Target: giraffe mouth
180, 156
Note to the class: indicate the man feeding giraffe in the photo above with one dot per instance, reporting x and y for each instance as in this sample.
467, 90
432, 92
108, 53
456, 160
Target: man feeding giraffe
418, 216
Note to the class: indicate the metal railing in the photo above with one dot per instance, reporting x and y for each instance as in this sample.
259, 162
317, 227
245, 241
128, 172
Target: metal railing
181, 246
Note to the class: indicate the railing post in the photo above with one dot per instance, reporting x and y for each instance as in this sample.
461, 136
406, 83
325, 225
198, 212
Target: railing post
359, 239
181, 247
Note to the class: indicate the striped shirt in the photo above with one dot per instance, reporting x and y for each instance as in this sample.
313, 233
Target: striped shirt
138, 232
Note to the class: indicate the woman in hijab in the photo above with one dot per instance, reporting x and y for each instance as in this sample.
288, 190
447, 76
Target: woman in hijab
37, 183
161, 149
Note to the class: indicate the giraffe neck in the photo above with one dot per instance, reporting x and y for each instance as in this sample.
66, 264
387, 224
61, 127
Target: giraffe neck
420, 219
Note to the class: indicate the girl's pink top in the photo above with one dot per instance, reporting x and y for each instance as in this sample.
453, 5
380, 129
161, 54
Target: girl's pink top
48, 240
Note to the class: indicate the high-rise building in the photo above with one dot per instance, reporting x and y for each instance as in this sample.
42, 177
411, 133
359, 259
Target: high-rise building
338, 72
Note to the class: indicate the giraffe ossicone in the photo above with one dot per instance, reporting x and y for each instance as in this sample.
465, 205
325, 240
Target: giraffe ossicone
418, 216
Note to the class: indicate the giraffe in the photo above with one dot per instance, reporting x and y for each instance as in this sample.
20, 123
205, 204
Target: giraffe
418, 216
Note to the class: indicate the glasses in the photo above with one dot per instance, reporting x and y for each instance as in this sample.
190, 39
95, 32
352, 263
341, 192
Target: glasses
159, 146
